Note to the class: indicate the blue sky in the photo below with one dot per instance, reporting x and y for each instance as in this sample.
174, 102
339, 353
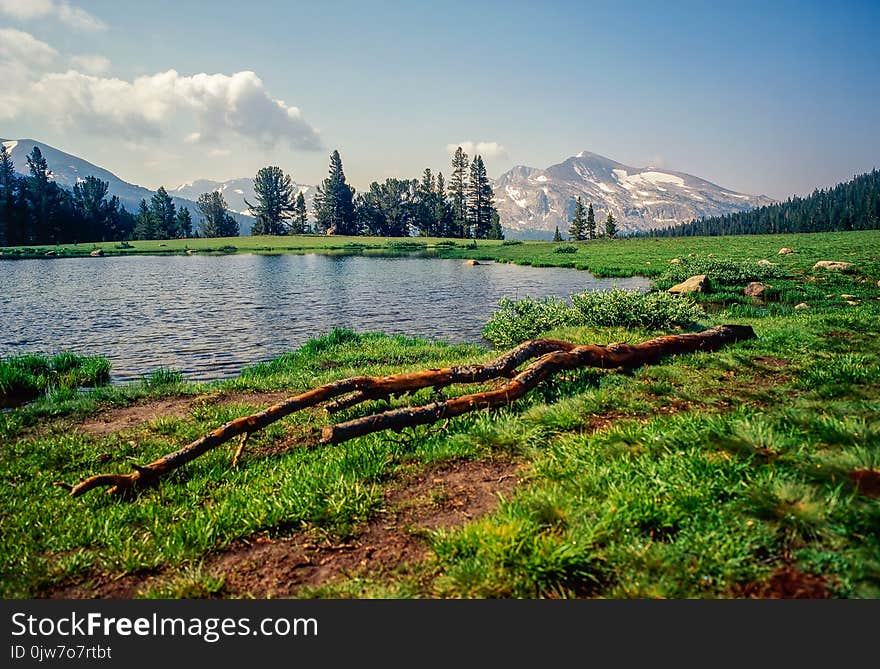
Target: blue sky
774, 97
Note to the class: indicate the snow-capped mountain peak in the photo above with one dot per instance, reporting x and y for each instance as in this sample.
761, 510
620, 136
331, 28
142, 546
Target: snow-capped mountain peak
641, 198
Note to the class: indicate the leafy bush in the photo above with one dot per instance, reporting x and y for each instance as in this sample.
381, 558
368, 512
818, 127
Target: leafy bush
630, 308
124, 245
725, 272
566, 248
519, 320
228, 248
511, 242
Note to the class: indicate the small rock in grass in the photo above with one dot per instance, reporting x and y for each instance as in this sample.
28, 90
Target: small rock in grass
832, 264
784, 251
471, 262
802, 305
97, 253
764, 262
755, 289
847, 296
675, 261
853, 303
695, 284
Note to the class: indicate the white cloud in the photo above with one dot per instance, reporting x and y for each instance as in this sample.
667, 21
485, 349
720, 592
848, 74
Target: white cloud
21, 48
90, 63
484, 149
74, 17
210, 108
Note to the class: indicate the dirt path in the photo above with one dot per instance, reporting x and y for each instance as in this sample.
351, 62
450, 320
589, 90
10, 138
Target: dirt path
126, 418
441, 496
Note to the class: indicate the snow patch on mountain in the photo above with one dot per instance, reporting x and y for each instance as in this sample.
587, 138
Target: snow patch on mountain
533, 202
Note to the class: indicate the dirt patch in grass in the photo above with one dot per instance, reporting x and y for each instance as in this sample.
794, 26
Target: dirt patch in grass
440, 496
770, 361
112, 421
787, 582
445, 496
867, 481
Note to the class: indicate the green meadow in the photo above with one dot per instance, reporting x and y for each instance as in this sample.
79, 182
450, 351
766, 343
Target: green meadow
752, 471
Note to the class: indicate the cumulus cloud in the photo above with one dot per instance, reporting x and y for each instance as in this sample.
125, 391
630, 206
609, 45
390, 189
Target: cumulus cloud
90, 63
23, 49
484, 149
209, 107
75, 17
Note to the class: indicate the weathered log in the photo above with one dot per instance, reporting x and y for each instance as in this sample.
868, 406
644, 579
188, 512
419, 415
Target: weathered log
576, 357
552, 356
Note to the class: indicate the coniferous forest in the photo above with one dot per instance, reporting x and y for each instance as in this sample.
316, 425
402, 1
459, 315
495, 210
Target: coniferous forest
34, 210
852, 205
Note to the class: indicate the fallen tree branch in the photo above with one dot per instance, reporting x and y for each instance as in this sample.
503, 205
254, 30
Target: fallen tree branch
549, 357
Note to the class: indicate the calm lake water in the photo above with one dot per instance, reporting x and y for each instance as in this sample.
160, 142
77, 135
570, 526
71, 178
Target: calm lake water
210, 316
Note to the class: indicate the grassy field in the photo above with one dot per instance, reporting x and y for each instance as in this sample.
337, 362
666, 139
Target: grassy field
753, 471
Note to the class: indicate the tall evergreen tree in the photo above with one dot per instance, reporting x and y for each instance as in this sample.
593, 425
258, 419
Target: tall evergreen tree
334, 202
96, 215
184, 222
275, 201
49, 208
557, 237
495, 230
9, 205
443, 218
164, 215
426, 205
458, 189
389, 209
144, 227
216, 220
610, 226
480, 204
577, 231
300, 223
591, 222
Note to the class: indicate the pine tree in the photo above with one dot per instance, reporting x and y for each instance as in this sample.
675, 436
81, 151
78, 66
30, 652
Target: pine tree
426, 205
577, 231
216, 220
610, 226
275, 201
93, 211
164, 215
49, 208
495, 229
443, 219
300, 223
144, 227
184, 222
557, 237
334, 202
480, 205
9, 205
591, 222
458, 187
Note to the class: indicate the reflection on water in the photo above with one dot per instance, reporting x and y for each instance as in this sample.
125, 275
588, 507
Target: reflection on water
210, 316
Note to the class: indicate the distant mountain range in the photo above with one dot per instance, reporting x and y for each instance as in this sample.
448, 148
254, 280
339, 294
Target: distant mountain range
68, 169
532, 202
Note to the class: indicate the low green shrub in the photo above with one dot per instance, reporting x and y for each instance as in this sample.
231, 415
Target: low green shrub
630, 308
565, 248
511, 242
724, 272
519, 320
